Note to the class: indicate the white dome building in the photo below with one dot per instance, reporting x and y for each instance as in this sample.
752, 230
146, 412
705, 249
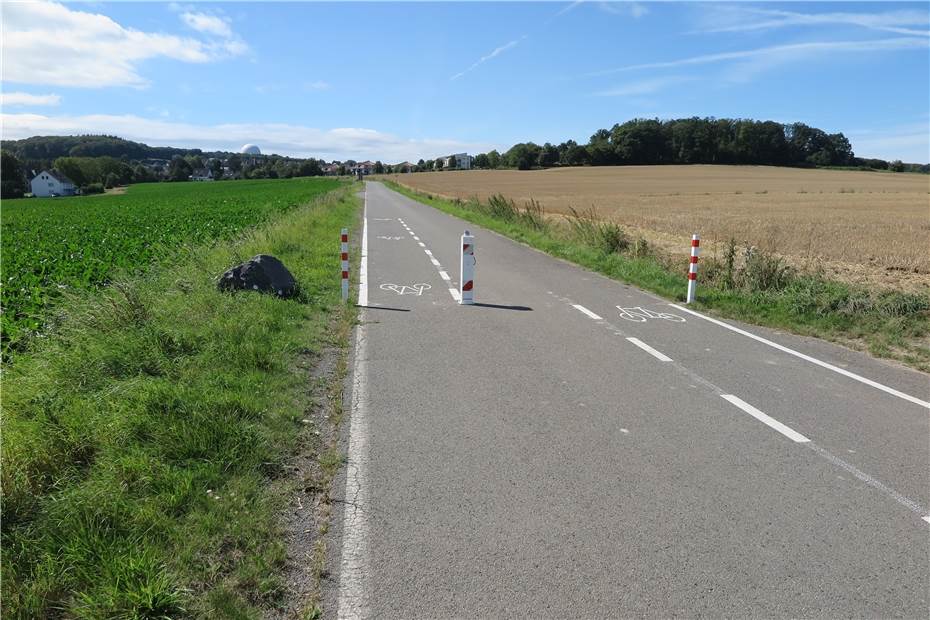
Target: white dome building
250, 149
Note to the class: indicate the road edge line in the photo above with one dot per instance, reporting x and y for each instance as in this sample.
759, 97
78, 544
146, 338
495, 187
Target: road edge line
808, 358
352, 601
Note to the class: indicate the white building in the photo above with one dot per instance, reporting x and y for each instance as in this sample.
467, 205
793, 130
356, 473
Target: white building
462, 161
202, 174
52, 183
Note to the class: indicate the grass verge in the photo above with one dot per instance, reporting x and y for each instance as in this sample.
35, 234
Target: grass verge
745, 284
142, 440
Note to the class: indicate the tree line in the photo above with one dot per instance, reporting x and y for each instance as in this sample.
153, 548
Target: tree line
95, 174
693, 141
46, 149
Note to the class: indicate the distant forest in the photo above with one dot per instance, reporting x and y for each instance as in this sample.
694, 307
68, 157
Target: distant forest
695, 141
50, 148
95, 163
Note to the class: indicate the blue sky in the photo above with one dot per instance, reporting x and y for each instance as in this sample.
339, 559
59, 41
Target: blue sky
396, 81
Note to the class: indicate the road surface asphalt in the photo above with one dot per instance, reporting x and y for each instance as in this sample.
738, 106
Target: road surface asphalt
574, 447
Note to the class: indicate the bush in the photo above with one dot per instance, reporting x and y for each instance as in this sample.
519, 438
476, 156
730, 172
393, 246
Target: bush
92, 188
499, 207
764, 272
609, 237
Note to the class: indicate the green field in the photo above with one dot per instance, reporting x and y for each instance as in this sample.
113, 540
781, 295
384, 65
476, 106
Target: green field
148, 439
51, 245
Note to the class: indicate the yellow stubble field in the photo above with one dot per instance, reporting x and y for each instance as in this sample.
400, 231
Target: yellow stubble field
868, 228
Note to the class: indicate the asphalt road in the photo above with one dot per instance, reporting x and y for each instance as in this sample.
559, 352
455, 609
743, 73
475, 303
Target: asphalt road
547, 454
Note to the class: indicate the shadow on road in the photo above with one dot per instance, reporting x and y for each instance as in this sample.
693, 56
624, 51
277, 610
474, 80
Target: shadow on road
501, 307
383, 308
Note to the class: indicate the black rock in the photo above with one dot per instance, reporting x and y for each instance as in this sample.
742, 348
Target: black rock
260, 273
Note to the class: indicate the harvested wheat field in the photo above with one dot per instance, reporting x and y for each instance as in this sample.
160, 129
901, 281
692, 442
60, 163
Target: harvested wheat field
864, 227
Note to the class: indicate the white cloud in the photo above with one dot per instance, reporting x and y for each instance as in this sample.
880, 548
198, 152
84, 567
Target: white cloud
793, 51
743, 19
633, 9
208, 24
909, 143
13, 99
284, 139
317, 85
49, 43
643, 87
493, 54
637, 10
565, 9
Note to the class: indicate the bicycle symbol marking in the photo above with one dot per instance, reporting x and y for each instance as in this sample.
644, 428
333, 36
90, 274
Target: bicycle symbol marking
404, 289
638, 314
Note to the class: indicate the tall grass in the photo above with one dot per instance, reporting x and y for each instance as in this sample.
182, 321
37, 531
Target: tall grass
748, 283
601, 234
139, 439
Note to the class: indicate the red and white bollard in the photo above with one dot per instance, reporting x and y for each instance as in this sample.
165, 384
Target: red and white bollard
345, 264
692, 269
467, 271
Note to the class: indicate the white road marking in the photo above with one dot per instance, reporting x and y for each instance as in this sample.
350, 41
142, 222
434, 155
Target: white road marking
645, 347
813, 360
353, 572
363, 267
927, 518
587, 312
791, 434
835, 460
445, 276
869, 480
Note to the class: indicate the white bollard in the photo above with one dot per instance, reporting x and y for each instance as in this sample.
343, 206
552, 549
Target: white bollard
467, 270
692, 269
345, 264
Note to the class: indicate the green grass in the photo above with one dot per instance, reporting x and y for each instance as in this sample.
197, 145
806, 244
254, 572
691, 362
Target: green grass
752, 287
52, 245
143, 442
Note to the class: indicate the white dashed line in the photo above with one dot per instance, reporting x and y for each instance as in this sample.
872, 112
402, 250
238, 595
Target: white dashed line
791, 434
445, 276
813, 360
826, 454
645, 347
587, 312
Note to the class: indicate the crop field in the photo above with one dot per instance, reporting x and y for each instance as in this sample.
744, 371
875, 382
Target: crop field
53, 244
861, 227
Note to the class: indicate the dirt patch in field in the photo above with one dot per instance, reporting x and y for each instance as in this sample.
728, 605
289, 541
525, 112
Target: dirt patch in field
867, 228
